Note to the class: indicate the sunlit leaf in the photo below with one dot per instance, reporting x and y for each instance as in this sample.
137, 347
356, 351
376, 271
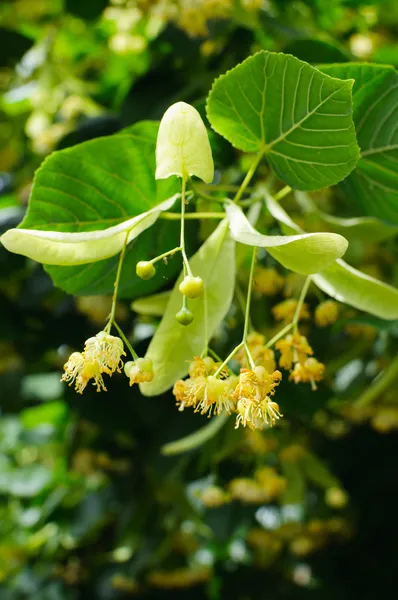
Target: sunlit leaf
305, 254
374, 183
298, 117
174, 345
97, 185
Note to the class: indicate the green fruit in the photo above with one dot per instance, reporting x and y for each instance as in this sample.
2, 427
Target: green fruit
145, 269
184, 316
191, 287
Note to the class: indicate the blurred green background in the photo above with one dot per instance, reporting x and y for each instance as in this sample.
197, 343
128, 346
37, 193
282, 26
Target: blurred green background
89, 507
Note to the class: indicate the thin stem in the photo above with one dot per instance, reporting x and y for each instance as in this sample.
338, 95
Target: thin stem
301, 302
168, 253
249, 294
124, 338
196, 439
248, 177
249, 356
279, 335
282, 193
206, 324
380, 385
215, 355
187, 268
225, 187
229, 357
116, 286
198, 215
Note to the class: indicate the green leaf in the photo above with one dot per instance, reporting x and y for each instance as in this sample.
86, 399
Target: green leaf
316, 51
300, 118
305, 254
374, 183
53, 413
67, 249
369, 229
295, 490
173, 345
100, 184
317, 471
343, 282
197, 438
153, 306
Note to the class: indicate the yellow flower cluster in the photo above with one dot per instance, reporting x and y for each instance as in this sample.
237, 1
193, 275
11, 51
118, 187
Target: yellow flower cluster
102, 354
268, 282
296, 356
285, 311
326, 313
266, 486
203, 391
247, 395
252, 396
179, 578
262, 356
301, 538
190, 15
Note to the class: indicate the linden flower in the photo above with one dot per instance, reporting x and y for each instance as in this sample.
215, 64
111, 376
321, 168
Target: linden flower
106, 350
308, 372
326, 313
294, 348
254, 407
139, 370
80, 370
285, 311
268, 281
261, 355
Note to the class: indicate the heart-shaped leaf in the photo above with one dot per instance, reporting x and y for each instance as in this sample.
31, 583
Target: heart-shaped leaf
300, 118
374, 183
305, 253
98, 185
173, 345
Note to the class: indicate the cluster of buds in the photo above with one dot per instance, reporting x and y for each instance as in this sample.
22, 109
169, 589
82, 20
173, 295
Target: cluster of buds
103, 355
296, 357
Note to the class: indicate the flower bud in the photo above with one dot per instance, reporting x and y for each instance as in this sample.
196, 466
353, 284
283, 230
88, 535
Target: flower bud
184, 316
145, 269
191, 287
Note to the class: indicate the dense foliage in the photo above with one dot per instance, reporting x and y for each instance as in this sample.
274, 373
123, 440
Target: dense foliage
200, 261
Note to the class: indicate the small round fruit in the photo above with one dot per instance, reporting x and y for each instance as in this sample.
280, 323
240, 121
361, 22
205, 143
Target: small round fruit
184, 316
145, 269
191, 287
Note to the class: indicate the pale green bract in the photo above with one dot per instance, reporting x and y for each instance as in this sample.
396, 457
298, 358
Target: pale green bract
183, 146
153, 306
298, 117
173, 346
68, 249
305, 254
343, 282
